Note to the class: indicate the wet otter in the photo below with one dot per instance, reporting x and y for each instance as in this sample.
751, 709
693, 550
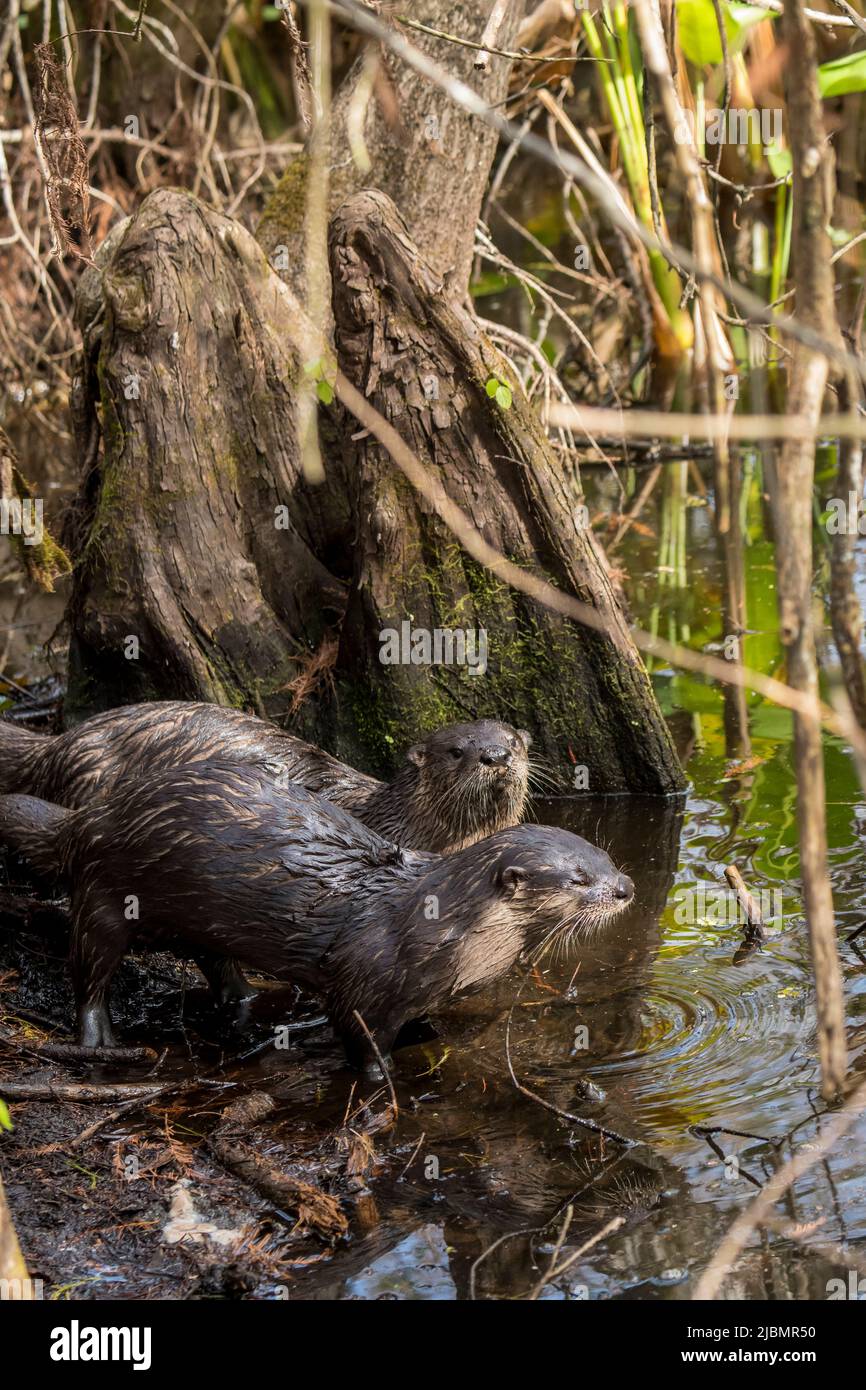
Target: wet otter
456, 786
277, 877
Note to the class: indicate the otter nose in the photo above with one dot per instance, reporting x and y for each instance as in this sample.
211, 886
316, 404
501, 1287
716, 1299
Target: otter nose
623, 888
494, 757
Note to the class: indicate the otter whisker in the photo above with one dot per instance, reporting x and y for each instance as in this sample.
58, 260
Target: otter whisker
540, 777
586, 922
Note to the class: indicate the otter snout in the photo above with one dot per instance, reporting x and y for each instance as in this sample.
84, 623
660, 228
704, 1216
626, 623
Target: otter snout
608, 893
495, 757
623, 888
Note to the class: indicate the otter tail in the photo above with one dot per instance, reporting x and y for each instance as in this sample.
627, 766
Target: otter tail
20, 750
31, 828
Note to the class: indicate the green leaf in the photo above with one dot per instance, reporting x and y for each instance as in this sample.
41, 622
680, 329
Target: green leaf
843, 75
5, 1117
492, 386
698, 30
503, 396
324, 391
839, 236
779, 161
491, 282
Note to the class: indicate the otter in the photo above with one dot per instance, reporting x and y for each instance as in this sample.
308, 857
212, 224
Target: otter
455, 786
221, 857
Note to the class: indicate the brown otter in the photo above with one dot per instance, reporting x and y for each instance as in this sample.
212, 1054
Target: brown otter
456, 786
277, 877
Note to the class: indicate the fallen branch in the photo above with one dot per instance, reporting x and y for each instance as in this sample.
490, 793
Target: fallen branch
91, 1056
315, 1209
85, 1135
78, 1093
754, 925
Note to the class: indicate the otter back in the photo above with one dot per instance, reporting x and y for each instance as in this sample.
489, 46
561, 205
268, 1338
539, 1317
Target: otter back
459, 784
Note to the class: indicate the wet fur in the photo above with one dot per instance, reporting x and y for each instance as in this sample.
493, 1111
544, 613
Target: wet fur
288, 883
433, 802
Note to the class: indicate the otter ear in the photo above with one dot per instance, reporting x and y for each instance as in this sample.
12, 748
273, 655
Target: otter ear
510, 878
527, 738
416, 754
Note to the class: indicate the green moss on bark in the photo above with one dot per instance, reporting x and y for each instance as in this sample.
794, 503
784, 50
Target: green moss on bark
284, 211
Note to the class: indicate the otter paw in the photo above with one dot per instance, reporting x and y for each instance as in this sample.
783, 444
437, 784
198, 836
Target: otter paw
94, 1027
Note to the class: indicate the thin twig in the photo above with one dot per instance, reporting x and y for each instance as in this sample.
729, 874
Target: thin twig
492, 29
667, 425
554, 1271
556, 1109
385, 1070
816, 16
484, 50
754, 916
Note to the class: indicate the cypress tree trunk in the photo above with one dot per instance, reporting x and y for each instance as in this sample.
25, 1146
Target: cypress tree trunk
422, 361
196, 575
428, 155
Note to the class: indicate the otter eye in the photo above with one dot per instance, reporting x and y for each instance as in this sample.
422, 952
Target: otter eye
579, 878
455, 752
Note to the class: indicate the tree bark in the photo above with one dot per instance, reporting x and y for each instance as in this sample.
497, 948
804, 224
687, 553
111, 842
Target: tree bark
423, 362
178, 543
428, 155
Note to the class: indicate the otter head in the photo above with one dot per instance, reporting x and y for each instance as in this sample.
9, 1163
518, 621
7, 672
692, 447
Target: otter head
563, 884
469, 781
